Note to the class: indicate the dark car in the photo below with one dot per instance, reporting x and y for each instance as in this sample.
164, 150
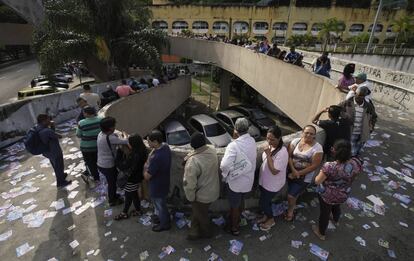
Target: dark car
53, 84
256, 116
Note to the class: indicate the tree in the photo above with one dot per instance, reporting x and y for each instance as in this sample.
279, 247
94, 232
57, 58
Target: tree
330, 29
361, 38
103, 34
404, 27
298, 40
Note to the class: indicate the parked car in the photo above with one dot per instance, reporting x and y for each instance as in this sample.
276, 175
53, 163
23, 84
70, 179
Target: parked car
61, 77
256, 116
175, 133
35, 91
53, 84
228, 118
212, 130
39, 78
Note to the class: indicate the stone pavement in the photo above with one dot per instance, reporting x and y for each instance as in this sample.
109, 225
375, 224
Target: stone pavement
27, 185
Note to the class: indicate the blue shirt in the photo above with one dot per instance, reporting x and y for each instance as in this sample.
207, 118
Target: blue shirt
292, 57
159, 169
51, 139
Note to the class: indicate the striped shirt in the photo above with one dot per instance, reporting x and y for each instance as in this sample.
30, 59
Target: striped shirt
359, 112
88, 130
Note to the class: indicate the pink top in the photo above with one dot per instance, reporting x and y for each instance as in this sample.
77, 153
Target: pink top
267, 180
123, 90
343, 83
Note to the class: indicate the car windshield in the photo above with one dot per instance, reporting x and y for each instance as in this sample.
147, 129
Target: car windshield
178, 138
259, 115
214, 130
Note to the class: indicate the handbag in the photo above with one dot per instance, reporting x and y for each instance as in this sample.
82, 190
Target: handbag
122, 164
241, 165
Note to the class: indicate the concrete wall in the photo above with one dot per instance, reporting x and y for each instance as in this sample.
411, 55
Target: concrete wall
393, 88
18, 117
390, 62
142, 112
15, 34
297, 92
31, 11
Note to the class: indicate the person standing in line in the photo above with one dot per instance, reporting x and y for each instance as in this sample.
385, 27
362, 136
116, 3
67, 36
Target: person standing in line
50, 138
90, 97
335, 181
124, 89
158, 175
347, 78
82, 103
362, 116
136, 158
336, 127
305, 156
88, 130
292, 56
201, 185
108, 140
244, 148
360, 80
272, 176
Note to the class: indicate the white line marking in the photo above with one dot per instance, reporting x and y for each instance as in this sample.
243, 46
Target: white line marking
4, 77
20, 70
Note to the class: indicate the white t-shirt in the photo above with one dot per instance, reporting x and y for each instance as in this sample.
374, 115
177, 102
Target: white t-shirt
247, 145
303, 159
155, 82
367, 84
91, 98
267, 180
359, 113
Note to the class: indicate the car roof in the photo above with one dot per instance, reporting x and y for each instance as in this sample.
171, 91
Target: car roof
204, 119
231, 113
173, 126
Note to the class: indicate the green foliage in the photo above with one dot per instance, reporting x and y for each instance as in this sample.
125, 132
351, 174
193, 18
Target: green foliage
187, 33
113, 31
404, 27
361, 38
330, 30
301, 40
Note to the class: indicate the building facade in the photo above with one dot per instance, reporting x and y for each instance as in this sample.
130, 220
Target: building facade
273, 22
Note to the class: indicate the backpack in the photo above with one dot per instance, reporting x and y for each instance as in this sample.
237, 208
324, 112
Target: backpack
33, 143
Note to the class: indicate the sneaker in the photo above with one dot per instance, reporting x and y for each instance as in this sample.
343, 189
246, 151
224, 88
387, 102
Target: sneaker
64, 184
158, 228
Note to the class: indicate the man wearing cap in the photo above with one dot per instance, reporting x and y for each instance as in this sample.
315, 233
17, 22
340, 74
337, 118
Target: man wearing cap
201, 184
88, 130
362, 116
241, 150
360, 81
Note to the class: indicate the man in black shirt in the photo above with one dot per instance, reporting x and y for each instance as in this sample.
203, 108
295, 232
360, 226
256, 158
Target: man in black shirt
336, 127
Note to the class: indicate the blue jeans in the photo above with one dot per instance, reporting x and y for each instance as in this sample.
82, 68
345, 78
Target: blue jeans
161, 210
265, 201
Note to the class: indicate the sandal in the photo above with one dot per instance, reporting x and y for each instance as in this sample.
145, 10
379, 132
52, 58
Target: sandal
264, 227
289, 218
235, 232
315, 230
135, 213
121, 216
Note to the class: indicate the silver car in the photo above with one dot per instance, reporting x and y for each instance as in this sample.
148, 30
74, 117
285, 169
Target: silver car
212, 130
228, 118
176, 134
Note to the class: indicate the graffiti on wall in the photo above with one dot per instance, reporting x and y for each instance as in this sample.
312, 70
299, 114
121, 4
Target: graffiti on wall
394, 97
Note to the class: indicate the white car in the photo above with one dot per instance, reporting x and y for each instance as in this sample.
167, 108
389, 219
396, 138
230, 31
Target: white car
176, 134
211, 128
61, 77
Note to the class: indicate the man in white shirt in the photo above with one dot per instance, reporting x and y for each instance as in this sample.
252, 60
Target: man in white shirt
91, 98
155, 82
242, 149
360, 81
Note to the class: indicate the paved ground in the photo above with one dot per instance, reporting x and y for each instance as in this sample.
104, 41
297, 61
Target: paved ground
16, 77
31, 177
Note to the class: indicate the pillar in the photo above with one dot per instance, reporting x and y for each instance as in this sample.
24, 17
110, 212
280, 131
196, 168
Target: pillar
225, 81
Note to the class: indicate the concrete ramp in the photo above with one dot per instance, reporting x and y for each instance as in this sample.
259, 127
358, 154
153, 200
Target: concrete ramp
297, 92
142, 112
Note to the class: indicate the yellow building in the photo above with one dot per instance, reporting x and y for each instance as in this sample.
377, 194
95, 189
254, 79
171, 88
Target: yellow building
272, 22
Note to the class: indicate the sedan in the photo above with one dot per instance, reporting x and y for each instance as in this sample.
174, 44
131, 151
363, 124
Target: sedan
175, 133
228, 119
61, 77
212, 130
256, 116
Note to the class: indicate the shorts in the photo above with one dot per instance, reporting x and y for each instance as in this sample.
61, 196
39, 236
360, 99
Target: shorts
235, 198
296, 187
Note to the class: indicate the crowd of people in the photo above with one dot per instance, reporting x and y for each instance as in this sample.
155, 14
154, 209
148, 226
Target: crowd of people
126, 164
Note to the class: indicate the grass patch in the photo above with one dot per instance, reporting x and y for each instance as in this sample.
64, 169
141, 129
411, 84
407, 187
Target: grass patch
195, 89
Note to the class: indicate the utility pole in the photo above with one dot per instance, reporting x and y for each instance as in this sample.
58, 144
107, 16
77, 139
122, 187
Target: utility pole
374, 27
288, 20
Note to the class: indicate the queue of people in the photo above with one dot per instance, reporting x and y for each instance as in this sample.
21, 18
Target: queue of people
115, 154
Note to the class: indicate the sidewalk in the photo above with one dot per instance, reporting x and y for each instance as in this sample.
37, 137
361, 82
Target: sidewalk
27, 185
